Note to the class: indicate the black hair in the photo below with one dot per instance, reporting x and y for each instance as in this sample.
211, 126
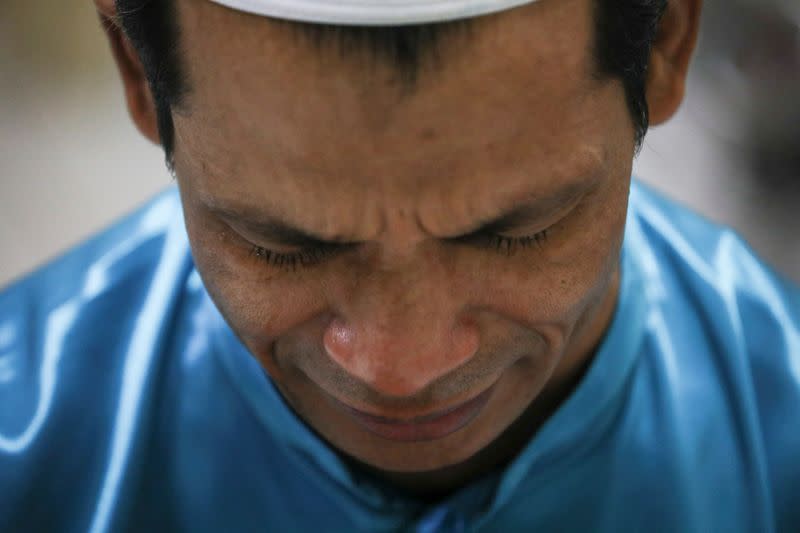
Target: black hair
625, 31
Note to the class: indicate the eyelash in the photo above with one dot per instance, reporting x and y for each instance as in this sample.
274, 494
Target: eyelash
304, 258
314, 255
508, 246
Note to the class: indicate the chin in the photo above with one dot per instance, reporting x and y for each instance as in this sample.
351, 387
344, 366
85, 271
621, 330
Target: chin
428, 457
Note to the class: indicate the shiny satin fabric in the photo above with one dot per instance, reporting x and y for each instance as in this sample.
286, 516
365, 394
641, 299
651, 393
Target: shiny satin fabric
127, 404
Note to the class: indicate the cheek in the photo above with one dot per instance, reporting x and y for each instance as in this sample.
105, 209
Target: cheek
570, 275
258, 302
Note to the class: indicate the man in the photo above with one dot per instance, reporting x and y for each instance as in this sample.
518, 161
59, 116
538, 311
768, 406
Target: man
423, 293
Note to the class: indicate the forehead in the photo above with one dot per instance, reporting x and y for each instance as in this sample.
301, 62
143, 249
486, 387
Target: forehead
265, 105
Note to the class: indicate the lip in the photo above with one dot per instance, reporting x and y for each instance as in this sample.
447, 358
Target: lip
424, 428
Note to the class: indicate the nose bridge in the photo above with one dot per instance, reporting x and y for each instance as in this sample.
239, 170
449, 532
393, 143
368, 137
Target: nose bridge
399, 296
401, 331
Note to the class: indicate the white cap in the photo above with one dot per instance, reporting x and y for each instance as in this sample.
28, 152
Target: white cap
372, 12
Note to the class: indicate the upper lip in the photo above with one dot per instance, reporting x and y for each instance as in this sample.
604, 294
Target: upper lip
417, 419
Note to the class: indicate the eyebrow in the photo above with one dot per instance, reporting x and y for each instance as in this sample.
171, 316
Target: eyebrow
277, 231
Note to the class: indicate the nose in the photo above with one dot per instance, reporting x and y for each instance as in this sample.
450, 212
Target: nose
398, 338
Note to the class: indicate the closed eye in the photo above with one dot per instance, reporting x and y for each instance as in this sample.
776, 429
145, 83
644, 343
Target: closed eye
313, 255
502, 244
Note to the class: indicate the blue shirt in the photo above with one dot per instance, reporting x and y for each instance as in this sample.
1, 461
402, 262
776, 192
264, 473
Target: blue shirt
127, 404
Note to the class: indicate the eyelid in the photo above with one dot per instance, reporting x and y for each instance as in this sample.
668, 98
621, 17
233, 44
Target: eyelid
316, 252
316, 247
528, 226
252, 238
519, 231
483, 237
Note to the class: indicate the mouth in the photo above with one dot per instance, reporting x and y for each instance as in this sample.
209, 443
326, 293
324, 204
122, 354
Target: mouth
424, 428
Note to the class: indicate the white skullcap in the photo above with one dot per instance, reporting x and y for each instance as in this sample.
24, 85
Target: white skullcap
372, 12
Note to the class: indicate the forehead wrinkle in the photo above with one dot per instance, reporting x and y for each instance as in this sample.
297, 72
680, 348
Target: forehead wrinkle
327, 147
342, 215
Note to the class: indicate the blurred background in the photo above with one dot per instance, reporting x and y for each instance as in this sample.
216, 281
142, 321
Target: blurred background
71, 162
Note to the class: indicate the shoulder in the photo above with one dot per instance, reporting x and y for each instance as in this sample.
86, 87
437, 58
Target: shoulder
689, 255
76, 337
97, 288
90, 295
119, 255
744, 319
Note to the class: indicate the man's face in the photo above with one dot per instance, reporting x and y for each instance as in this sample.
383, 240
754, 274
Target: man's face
404, 311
